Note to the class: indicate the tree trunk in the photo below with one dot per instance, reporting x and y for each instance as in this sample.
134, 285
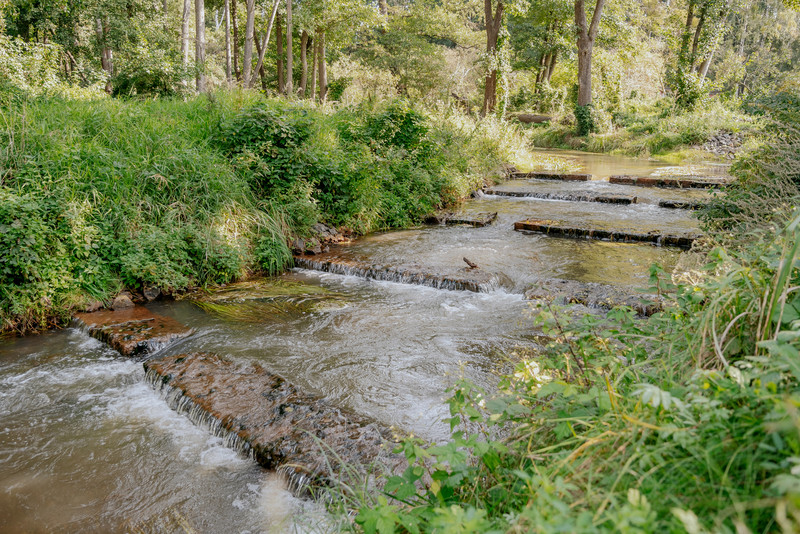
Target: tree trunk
200, 44
260, 48
236, 71
698, 30
323, 75
279, 53
687, 29
303, 62
187, 12
106, 55
383, 7
493, 22
552, 66
313, 92
289, 51
586, 37
263, 48
249, 35
228, 73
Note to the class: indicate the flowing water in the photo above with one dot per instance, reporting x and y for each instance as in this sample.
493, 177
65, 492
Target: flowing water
87, 445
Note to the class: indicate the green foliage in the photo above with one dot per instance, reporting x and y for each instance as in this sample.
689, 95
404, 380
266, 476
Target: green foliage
177, 194
684, 421
584, 120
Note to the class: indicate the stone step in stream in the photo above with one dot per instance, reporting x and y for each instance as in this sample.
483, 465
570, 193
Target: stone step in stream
467, 279
132, 331
700, 182
257, 413
543, 175
577, 196
267, 418
593, 295
559, 228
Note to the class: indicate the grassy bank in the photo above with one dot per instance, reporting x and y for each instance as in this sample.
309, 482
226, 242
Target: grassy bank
658, 130
685, 422
101, 194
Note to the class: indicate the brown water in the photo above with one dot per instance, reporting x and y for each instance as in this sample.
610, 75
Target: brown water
601, 166
87, 445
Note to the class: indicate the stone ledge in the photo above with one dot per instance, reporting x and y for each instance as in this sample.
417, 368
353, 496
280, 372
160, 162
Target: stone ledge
132, 331
562, 176
262, 415
593, 295
577, 196
671, 182
558, 229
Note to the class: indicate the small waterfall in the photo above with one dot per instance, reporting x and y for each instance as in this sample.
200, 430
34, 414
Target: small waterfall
403, 276
578, 196
184, 405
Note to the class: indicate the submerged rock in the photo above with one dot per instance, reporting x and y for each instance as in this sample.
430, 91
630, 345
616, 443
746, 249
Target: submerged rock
121, 302
265, 300
593, 295
261, 414
132, 331
477, 220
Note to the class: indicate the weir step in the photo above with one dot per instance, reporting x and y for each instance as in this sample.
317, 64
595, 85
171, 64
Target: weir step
474, 280
563, 176
577, 196
593, 295
559, 229
132, 331
265, 417
681, 204
673, 182
477, 220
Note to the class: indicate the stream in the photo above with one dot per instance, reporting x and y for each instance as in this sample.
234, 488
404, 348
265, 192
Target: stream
87, 445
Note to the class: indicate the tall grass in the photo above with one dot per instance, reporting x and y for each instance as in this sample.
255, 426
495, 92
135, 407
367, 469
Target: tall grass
684, 422
103, 194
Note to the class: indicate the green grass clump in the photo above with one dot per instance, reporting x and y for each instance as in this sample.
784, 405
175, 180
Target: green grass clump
684, 422
651, 130
103, 193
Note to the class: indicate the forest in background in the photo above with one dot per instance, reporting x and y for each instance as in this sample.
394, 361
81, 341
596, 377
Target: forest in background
624, 59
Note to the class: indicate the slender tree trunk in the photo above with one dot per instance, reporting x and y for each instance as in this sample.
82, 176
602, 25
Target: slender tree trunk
586, 37
313, 92
383, 7
289, 51
235, 24
106, 55
279, 53
697, 32
247, 67
187, 13
552, 66
260, 48
303, 62
263, 48
323, 75
200, 44
687, 30
493, 22
228, 70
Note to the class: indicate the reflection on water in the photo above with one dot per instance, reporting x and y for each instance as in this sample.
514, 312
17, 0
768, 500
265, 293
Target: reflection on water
601, 166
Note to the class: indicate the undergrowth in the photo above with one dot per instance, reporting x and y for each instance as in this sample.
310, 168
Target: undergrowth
100, 194
685, 422
653, 130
